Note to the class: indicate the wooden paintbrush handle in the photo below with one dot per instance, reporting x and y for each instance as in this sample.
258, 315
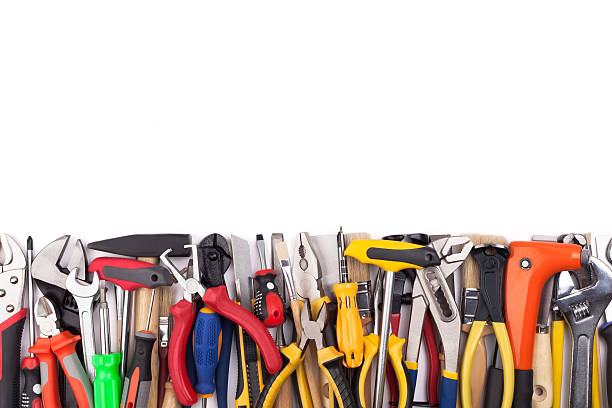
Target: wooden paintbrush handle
285, 395
170, 400
542, 372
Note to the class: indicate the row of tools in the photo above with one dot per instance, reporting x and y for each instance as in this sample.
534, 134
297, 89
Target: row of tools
318, 329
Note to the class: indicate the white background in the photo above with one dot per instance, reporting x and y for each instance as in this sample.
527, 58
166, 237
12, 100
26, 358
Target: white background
119, 117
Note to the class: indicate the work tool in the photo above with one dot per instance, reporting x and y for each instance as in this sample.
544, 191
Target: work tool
360, 273
12, 319
491, 259
250, 378
392, 256
602, 245
328, 357
582, 309
165, 299
268, 306
215, 297
137, 382
107, 384
394, 355
56, 345
348, 327
529, 266
30, 366
296, 307
84, 294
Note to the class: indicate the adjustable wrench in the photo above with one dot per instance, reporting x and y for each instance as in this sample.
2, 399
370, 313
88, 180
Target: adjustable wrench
582, 309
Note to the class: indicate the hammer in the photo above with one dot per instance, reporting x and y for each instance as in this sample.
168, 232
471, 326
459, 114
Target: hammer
146, 248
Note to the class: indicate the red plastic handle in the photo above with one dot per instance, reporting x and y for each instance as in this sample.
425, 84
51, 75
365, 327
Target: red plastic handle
216, 298
48, 371
184, 313
98, 264
64, 347
434, 360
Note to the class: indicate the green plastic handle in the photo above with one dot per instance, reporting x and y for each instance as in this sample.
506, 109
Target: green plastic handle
107, 385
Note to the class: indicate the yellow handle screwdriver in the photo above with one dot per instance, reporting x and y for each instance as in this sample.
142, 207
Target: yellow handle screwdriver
349, 330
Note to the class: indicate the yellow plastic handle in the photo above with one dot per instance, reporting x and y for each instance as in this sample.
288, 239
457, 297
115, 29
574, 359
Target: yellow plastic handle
466, 364
503, 341
558, 334
395, 355
349, 331
370, 343
358, 249
295, 359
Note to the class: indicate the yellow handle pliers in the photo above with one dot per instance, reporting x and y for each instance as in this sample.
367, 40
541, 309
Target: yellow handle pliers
492, 262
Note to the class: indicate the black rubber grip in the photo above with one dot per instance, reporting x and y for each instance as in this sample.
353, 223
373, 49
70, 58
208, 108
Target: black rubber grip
145, 245
523, 388
10, 340
270, 382
606, 333
141, 361
409, 386
355, 386
152, 277
215, 259
422, 257
31, 387
334, 367
494, 388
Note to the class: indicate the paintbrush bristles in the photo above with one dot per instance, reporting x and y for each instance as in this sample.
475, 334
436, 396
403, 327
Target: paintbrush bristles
281, 251
470, 270
357, 271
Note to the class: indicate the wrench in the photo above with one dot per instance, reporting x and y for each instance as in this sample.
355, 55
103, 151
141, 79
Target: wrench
582, 309
84, 294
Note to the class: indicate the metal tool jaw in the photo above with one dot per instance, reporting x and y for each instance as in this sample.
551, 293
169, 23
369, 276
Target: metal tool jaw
305, 270
46, 266
312, 329
191, 286
46, 317
582, 309
12, 277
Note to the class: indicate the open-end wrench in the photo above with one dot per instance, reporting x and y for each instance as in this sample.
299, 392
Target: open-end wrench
84, 294
582, 309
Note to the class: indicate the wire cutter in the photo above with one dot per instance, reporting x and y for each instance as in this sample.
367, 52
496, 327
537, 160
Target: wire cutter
215, 297
491, 260
53, 345
328, 358
432, 291
394, 353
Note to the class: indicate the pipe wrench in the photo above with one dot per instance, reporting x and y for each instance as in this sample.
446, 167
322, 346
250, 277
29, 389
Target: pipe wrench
432, 291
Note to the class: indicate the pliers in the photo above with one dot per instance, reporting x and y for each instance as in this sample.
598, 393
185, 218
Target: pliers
431, 292
216, 298
491, 260
328, 358
12, 319
56, 344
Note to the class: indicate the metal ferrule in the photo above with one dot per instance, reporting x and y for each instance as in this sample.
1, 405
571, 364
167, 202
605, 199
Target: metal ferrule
363, 299
470, 304
163, 331
542, 329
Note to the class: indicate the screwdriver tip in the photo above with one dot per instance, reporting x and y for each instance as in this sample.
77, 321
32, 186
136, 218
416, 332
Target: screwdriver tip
30, 243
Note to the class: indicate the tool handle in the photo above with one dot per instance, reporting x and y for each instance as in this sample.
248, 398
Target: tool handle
292, 357
557, 339
10, 341
216, 298
48, 373
222, 372
448, 389
131, 274
64, 347
523, 388
605, 332
162, 353
370, 343
242, 386
30, 394
495, 383
184, 315
107, 384
268, 306
206, 341
349, 331
542, 371
433, 357
170, 400
330, 362
400, 371
137, 382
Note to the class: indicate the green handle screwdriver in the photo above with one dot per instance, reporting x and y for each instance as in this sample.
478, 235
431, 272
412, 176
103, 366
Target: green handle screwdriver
107, 384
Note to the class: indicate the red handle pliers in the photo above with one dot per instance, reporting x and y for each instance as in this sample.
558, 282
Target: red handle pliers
215, 297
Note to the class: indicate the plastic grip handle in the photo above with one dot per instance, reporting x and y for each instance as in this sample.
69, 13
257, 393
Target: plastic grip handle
107, 384
268, 306
448, 390
137, 382
141, 274
64, 348
557, 339
605, 332
495, 382
222, 373
10, 350
30, 394
395, 356
292, 357
349, 331
216, 298
413, 371
162, 352
370, 349
523, 388
433, 377
330, 362
184, 315
48, 372
206, 342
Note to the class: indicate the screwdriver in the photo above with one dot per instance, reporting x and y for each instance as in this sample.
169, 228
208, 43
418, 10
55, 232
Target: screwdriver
107, 384
268, 306
349, 330
206, 348
30, 395
138, 378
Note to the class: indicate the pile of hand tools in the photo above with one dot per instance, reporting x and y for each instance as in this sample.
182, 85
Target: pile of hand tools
339, 323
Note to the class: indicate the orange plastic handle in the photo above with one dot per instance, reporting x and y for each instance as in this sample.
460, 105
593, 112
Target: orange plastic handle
529, 266
64, 347
48, 372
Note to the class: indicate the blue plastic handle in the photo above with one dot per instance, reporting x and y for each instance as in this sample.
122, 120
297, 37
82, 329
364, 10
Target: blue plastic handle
448, 391
206, 336
222, 373
413, 377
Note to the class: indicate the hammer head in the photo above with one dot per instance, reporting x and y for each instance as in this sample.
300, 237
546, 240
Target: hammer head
145, 245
